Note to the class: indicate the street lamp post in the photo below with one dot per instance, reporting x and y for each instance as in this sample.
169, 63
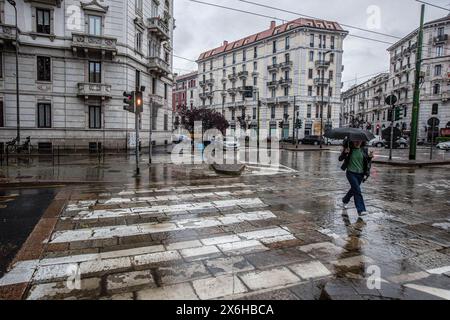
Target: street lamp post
322, 98
13, 3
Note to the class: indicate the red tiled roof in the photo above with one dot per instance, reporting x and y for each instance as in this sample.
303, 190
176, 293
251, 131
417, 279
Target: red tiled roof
298, 23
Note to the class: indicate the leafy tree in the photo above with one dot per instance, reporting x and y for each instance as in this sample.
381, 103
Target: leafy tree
210, 119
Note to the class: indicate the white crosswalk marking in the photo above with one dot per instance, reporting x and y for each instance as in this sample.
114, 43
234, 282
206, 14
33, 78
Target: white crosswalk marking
47, 275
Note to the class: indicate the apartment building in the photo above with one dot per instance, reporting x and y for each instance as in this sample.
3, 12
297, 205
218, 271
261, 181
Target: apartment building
76, 59
435, 78
285, 67
363, 105
185, 92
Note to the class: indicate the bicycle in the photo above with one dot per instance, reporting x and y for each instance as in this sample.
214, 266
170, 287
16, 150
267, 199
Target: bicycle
12, 146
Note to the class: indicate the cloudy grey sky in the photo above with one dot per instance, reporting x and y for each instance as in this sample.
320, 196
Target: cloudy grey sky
201, 27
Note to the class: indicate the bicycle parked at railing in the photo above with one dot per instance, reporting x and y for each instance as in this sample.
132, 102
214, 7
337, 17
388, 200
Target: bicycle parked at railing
12, 146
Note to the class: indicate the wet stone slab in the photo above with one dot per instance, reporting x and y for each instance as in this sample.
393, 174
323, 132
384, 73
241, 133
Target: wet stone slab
182, 273
129, 281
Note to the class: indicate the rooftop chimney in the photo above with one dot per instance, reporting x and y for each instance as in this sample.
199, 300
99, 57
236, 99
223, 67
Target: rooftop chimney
273, 24
225, 43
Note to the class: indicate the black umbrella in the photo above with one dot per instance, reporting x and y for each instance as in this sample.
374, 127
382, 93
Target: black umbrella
352, 134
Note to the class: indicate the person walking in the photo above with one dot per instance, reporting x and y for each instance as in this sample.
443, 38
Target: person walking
357, 162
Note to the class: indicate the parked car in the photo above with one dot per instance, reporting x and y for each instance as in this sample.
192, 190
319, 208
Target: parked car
314, 140
444, 146
399, 144
334, 142
377, 142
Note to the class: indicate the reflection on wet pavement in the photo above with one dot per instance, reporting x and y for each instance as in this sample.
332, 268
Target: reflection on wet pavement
186, 232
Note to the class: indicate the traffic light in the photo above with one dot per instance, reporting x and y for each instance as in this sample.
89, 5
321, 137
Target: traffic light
281, 125
390, 115
128, 101
398, 114
139, 102
299, 124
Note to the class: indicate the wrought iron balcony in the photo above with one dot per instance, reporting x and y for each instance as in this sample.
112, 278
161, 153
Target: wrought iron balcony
322, 81
87, 89
440, 39
156, 99
273, 84
56, 3
285, 82
326, 99
233, 77
7, 33
286, 65
322, 64
233, 91
243, 75
273, 67
158, 66
159, 28
89, 43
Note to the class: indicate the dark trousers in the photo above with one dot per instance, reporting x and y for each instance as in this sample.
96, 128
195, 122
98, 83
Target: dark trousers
355, 180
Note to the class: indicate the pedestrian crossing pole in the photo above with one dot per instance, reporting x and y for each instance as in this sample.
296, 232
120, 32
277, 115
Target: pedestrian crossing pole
416, 102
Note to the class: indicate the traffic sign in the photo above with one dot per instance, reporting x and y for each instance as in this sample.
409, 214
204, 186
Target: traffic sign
433, 122
391, 100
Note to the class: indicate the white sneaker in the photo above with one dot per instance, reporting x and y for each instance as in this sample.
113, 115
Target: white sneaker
344, 205
364, 213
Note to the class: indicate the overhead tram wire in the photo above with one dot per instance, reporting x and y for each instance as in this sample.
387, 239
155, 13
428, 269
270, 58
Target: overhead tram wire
432, 5
311, 17
277, 18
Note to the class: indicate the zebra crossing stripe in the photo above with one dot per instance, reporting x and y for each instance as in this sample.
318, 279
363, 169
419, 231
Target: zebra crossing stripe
56, 269
246, 203
150, 228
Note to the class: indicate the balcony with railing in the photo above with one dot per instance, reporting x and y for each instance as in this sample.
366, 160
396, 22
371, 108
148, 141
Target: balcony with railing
273, 67
56, 3
159, 28
273, 84
233, 91
243, 75
326, 99
156, 99
322, 64
100, 90
91, 43
158, 66
285, 82
322, 81
440, 39
7, 33
287, 65
233, 77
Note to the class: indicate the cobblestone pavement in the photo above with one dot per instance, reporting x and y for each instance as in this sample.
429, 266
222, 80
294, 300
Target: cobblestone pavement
276, 235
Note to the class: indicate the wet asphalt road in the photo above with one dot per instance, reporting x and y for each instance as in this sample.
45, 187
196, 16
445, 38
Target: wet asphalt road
20, 210
405, 235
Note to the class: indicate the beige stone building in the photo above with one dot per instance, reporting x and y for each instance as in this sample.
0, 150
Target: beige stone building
285, 66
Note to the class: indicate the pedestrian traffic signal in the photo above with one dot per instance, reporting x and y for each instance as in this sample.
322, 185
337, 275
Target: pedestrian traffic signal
299, 124
398, 114
390, 115
139, 102
128, 101
281, 125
